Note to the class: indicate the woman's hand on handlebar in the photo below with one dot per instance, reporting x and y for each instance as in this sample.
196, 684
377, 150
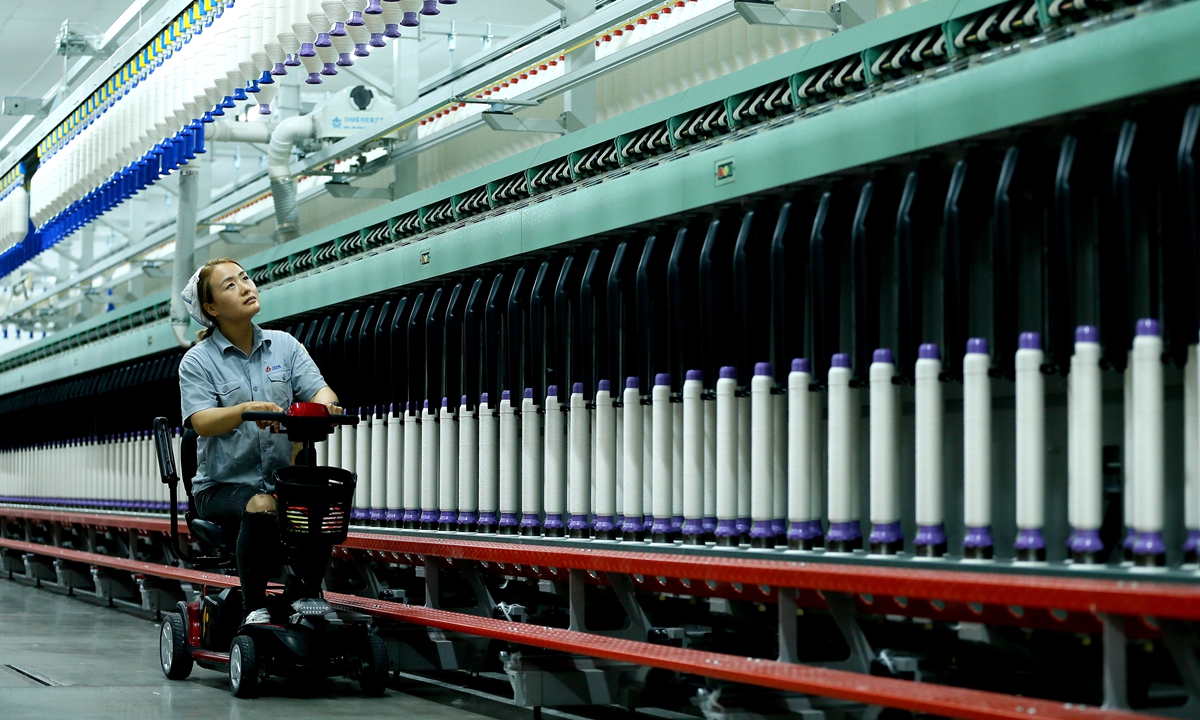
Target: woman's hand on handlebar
258, 406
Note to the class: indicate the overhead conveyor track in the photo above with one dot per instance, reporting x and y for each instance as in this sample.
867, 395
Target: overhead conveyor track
1156, 601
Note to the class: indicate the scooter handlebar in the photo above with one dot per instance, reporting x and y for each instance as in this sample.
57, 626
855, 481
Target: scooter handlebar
254, 416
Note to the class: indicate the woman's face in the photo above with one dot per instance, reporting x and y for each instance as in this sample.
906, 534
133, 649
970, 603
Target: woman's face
234, 295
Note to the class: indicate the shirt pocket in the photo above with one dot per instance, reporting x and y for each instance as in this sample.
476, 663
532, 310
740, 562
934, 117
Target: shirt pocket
231, 393
279, 387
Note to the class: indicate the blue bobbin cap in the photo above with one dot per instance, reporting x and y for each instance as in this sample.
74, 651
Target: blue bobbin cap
801, 365
694, 375
840, 360
662, 379
1087, 334
763, 368
728, 372
883, 355
1147, 327
1029, 341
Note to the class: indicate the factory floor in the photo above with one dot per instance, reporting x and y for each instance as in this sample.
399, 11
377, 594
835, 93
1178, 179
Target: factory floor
102, 663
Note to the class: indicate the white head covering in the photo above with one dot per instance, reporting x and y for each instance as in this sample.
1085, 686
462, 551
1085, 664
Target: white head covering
194, 307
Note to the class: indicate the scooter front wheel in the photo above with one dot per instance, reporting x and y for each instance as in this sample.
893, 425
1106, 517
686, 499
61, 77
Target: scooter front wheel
243, 667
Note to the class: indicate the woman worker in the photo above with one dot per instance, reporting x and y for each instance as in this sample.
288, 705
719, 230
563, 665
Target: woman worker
236, 367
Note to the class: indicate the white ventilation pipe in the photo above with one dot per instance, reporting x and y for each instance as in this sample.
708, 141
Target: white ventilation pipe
249, 132
283, 190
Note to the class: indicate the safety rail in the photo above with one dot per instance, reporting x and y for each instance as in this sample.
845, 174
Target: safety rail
1130, 607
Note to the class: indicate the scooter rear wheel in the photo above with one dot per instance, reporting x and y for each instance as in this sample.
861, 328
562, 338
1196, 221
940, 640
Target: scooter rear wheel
375, 672
243, 667
173, 653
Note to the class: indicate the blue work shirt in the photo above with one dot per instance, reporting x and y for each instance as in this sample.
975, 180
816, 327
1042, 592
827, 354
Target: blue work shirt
216, 373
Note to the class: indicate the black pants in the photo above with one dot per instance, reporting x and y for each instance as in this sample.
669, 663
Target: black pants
260, 554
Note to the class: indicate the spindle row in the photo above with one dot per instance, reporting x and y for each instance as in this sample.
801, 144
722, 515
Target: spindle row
772, 464
114, 472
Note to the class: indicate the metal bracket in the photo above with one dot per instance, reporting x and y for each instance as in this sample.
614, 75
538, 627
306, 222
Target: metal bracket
789, 649
1116, 691
841, 606
505, 121
764, 12
237, 237
485, 606
638, 627
1182, 644
344, 190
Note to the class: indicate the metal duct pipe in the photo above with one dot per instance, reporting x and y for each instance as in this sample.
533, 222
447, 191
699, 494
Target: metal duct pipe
238, 132
185, 251
283, 190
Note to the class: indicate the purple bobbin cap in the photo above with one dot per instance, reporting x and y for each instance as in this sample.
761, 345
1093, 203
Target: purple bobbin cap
726, 528
631, 383
430, 8
360, 50
307, 50
329, 69
1029, 341
355, 18
483, 398
694, 375
323, 40
410, 20
577, 388
446, 403
761, 529
930, 535
693, 526
377, 40
552, 391
886, 533
345, 60
1030, 539
763, 368
977, 346
662, 379
338, 30
264, 109
1149, 543
1192, 542
553, 520
742, 525
577, 522
929, 351
528, 393
883, 355
391, 30
279, 69
463, 401
487, 519
1087, 334
604, 386
840, 360
978, 537
505, 395
1147, 326
508, 519
801, 365
728, 372
844, 531
425, 406
373, 8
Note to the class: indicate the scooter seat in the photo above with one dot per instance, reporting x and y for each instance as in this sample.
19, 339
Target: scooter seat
209, 533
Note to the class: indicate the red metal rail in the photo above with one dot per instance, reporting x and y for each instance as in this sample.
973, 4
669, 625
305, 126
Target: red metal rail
921, 697
754, 579
1119, 597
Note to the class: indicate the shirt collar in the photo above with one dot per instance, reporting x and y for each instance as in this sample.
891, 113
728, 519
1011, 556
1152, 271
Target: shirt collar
223, 343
